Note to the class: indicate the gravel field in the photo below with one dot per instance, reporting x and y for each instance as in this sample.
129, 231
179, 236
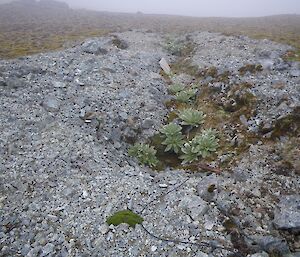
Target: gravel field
69, 117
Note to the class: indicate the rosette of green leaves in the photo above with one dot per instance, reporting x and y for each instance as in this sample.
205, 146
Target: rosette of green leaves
185, 95
190, 152
207, 142
202, 145
176, 88
144, 153
191, 117
174, 47
173, 137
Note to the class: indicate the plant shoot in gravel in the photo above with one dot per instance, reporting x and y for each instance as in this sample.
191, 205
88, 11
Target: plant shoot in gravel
173, 137
200, 146
176, 88
144, 153
174, 47
191, 117
186, 95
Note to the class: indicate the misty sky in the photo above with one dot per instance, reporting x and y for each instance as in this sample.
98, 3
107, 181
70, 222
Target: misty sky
233, 8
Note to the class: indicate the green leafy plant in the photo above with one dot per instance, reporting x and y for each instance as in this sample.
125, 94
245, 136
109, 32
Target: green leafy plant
208, 142
144, 153
176, 88
190, 152
171, 129
174, 137
191, 117
186, 95
202, 145
173, 47
125, 216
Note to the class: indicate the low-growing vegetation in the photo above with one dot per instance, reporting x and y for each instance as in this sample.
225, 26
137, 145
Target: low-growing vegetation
126, 217
173, 137
144, 153
186, 95
200, 146
191, 117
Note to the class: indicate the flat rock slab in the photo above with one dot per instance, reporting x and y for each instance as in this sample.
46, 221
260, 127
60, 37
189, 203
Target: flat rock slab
287, 217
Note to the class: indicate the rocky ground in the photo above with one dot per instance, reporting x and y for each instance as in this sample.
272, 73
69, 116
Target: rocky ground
68, 118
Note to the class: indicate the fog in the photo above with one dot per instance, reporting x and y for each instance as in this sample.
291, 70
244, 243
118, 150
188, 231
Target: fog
228, 8
202, 8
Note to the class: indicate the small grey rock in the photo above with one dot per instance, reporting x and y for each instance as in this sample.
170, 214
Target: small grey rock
58, 84
273, 245
124, 94
25, 250
163, 185
123, 115
14, 83
244, 120
155, 76
287, 216
79, 82
148, 123
295, 73
267, 64
205, 187
115, 135
47, 249
68, 192
33, 252
104, 228
201, 254
94, 47
51, 104
262, 254
2, 82
165, 66
194, 205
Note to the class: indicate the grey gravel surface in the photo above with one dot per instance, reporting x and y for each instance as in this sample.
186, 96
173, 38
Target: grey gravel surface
67, 119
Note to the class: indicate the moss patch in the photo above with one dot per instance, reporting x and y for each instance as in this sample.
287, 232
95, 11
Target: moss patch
125, 216
288, 125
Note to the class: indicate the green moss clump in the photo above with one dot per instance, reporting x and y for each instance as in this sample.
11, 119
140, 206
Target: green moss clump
288, 125
125, 216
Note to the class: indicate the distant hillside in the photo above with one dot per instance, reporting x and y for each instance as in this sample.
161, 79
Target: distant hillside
32, 28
